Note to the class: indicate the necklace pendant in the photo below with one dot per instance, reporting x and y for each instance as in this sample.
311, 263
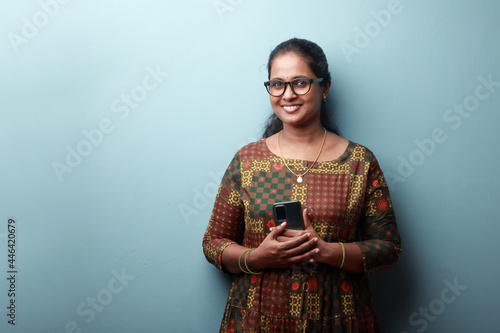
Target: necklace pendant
299, 179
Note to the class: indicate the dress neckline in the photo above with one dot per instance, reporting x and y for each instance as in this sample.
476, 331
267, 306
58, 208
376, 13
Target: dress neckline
342, 158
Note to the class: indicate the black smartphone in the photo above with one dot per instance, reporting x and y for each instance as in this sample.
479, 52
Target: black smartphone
289, 211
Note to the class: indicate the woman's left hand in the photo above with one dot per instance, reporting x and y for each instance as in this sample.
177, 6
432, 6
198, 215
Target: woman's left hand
324, 253
333, 254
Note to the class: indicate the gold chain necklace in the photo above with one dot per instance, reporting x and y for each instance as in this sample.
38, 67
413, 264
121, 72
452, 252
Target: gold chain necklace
299, 177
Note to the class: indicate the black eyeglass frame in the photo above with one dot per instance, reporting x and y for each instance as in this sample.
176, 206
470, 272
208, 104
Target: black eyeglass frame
267, 84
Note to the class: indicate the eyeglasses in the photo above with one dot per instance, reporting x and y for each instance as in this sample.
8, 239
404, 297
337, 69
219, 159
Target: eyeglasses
300, 86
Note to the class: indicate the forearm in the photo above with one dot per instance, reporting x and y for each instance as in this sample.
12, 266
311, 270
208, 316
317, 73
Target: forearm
351, 255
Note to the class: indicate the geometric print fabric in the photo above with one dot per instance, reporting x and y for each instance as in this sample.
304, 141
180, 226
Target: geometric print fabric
348, 201
267, 188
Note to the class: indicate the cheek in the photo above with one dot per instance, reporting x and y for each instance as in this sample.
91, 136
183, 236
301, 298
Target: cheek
275, 102
316, 99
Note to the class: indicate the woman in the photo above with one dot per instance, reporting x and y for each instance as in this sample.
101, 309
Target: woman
311, 280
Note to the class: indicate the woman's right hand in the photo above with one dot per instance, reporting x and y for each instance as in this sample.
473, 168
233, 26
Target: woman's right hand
272, 253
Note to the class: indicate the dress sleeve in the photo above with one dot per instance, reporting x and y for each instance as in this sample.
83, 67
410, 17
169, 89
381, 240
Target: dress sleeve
226, 225
380, 242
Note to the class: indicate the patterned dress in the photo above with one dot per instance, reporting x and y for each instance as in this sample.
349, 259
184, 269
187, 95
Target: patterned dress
348, 201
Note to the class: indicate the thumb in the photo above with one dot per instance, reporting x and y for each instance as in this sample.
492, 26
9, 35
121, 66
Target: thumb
276, 231
307, 221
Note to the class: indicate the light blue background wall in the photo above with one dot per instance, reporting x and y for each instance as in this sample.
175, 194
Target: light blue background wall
110, 240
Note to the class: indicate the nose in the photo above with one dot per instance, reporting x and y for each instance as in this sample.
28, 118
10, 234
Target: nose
288, 93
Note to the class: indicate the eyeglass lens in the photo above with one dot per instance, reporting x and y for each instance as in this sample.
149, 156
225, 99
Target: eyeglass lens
299, 86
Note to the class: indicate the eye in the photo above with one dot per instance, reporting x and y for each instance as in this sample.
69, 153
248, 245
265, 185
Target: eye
301, 83
276, 84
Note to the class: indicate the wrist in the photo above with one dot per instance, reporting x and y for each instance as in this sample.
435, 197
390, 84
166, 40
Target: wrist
343, 255
253, 262
335, 254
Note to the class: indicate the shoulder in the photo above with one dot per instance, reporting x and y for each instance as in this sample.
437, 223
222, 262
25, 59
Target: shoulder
360, 152
257, 149
246, 154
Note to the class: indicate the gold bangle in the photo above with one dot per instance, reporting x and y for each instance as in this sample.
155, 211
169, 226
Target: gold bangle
343, 255
245, 261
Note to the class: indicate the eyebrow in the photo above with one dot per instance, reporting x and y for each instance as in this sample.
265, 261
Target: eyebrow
293, 78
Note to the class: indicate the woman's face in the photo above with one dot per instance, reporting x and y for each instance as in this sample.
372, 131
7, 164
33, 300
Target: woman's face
292, 109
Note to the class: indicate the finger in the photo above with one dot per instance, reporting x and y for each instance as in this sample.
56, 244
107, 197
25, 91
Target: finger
292, 233
282, 238
304, 247
305, 257
286, 235
308, 257
307, 221
295, 242
275, 231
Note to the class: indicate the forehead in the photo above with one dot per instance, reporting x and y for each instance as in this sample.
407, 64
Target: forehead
290, 65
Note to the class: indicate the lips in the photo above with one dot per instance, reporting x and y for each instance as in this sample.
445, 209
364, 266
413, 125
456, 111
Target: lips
290, 108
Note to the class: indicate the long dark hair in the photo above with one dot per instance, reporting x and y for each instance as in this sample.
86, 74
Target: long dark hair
316, 59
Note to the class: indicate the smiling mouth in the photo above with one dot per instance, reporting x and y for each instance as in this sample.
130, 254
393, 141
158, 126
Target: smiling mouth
291, 108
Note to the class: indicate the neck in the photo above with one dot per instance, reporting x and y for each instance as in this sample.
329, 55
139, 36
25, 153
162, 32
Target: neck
302, 136
301, 154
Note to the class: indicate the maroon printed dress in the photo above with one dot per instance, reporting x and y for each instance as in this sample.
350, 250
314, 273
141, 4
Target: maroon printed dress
348, 200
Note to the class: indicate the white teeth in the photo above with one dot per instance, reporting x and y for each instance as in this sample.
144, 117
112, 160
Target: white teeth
290, 108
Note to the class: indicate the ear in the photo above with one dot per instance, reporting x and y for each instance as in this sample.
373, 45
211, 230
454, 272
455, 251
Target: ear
326, 88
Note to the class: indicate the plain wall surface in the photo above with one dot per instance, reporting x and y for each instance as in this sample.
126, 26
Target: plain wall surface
118, 118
